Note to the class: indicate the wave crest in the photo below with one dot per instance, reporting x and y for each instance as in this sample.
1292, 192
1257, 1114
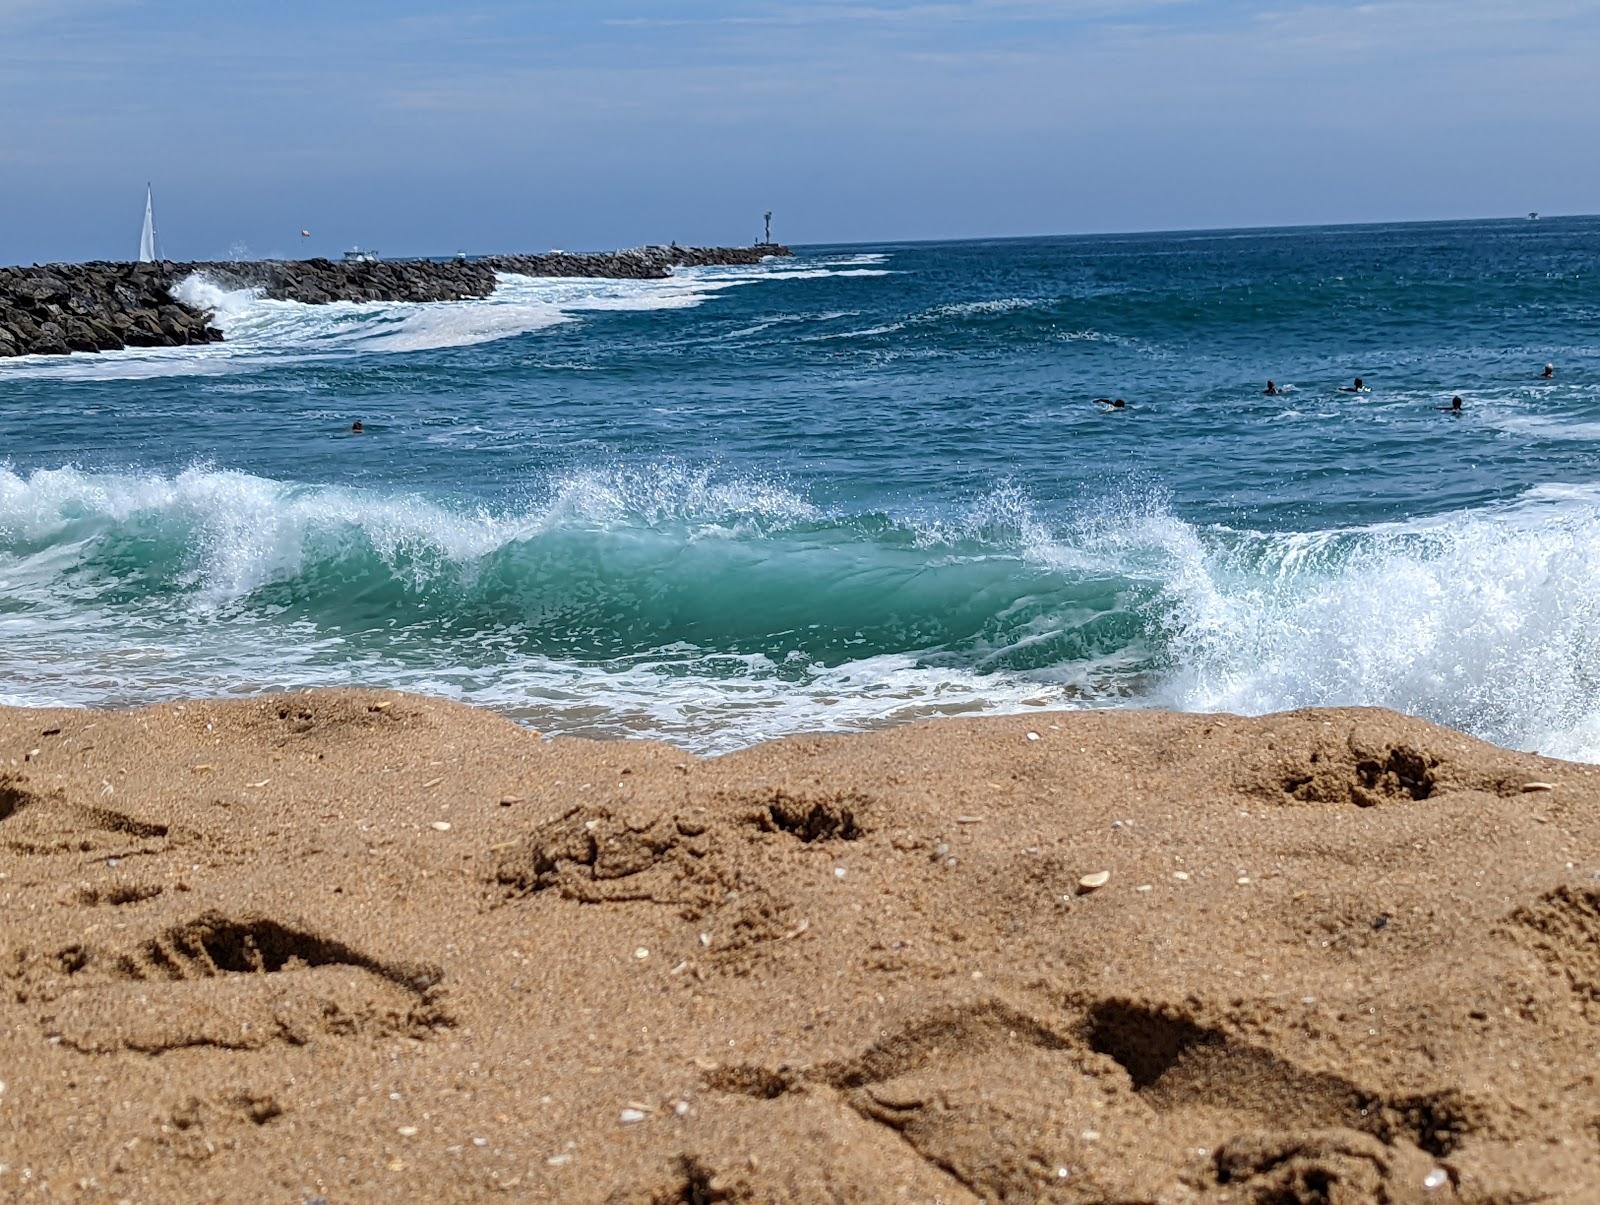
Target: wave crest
1488, 620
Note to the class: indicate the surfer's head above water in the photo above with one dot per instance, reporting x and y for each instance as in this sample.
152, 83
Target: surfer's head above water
1272, 389
1549, 371
356, 428
1359, 387
1117, 404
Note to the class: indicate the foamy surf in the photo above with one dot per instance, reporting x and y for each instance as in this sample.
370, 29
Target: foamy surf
713, 607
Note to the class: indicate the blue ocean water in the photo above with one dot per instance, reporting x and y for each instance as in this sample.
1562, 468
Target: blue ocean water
863, 486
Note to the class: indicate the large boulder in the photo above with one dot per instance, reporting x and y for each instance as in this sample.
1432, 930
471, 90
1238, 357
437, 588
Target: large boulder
79, 336
51, 340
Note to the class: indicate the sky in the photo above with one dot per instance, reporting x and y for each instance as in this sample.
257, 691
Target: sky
420, 127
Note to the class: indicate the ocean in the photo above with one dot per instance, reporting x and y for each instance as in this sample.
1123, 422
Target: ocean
864, 486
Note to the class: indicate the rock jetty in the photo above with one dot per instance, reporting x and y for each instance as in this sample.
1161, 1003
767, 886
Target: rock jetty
54, 309
63, 308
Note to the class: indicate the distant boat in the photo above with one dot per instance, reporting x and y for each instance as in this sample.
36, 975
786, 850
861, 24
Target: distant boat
147, 236
360, 255
1533, 216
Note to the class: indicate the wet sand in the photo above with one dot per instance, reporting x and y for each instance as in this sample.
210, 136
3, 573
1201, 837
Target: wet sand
361, 946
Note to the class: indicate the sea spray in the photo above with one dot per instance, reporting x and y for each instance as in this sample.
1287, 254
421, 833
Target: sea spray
1488, 620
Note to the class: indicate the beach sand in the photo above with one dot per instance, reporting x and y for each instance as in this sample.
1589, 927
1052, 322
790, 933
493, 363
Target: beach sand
361, 946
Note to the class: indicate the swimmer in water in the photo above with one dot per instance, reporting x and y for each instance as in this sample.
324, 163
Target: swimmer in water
1272, 389
1454, 407
356, 428
1549, 373
1119, 404
1359, 387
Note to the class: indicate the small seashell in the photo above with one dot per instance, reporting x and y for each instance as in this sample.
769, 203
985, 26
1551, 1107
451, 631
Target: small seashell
630, 1117
1437, 1178
1033, 736
1093, 882
440, 826
1529, 788
407, 1131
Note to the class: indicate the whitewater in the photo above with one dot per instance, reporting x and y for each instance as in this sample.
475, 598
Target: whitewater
862, 487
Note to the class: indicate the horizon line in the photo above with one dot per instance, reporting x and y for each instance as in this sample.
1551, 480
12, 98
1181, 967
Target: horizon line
952, 239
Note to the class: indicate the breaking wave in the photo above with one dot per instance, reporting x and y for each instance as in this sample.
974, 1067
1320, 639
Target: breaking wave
716, 608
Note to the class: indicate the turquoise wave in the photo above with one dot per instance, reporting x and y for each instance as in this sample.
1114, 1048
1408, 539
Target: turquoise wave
608, 566
1486, 619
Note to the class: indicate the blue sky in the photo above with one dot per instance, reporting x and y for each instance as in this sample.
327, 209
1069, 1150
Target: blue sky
420, 127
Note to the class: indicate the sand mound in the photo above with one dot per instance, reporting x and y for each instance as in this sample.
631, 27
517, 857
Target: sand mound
361, 947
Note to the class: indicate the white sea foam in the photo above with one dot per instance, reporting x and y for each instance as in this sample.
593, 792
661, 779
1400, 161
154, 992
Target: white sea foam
1546, 427
864, 259
963, 311
244, 531
1486, 619
780, 320
999, 305
888, 328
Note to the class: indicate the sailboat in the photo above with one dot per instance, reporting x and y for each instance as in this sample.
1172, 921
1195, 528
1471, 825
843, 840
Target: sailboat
147, 236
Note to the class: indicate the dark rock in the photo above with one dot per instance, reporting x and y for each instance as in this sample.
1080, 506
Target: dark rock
51, 341
79, 336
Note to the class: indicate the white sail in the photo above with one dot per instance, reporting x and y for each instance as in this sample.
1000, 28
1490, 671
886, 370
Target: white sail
147, 237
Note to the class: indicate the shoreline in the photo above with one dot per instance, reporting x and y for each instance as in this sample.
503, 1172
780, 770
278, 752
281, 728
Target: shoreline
59, 309
341, 943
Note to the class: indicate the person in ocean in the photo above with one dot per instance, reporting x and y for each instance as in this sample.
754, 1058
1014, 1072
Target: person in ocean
1549, 373
1359, 387
1119, 404
356, 428
1272, 389
1454, 407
